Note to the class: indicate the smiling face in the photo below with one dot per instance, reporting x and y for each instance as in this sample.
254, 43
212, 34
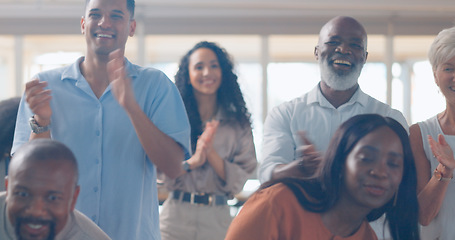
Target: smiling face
341, 52
445, 79
106, 26
374, 169
205, 72
40, 197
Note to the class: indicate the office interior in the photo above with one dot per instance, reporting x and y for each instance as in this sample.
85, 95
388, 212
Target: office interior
271, 42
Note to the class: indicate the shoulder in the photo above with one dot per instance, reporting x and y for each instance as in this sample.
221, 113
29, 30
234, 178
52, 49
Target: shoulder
373, 105
287, 110
86, 229
147, 73
53, 75
276, 194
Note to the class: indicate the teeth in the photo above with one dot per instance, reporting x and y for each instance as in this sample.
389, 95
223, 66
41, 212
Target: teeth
34, 226
342, 62
104, 35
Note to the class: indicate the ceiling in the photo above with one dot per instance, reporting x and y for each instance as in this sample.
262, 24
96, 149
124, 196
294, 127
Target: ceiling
398, 17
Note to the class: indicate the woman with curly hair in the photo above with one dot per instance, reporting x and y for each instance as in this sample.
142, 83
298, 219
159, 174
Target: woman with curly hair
368, 170
222, 143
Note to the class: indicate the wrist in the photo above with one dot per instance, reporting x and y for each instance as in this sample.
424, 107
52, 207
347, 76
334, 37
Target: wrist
43, 122
442, 173
186, 166
39, 127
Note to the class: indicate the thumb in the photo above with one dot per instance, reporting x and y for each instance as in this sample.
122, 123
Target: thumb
442, 140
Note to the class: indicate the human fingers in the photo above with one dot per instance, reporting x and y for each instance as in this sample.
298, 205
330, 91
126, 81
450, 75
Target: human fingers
442, 151
116, 69
303, 139
34, 87
442, 140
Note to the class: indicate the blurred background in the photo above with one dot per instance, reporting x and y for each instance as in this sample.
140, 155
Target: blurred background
271, 41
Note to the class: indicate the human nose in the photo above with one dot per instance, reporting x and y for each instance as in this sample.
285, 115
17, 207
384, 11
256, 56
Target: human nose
343, 48
205, 71
104, 22
36, 207
379, 170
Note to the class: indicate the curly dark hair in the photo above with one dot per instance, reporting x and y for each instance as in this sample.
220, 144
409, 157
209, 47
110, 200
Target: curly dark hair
8, 113
229, 96
321, 193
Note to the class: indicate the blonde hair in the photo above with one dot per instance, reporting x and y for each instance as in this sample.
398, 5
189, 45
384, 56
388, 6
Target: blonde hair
443, 48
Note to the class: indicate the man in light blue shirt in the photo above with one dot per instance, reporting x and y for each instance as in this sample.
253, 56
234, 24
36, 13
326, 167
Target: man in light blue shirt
120, 120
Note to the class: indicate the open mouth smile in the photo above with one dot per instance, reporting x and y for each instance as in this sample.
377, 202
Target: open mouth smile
104, 35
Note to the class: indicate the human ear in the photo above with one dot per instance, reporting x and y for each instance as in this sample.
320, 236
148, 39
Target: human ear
316, 53
82, 25
75, 195
132, 27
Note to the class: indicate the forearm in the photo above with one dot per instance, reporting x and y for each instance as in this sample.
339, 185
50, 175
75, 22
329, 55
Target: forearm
161, 149
307, 166
217, 164
430, 199
285, 170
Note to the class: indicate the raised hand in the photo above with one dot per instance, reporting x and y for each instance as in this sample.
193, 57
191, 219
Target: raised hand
442, 151
209, 133
119, 80
309, 159
203, 145
38, 100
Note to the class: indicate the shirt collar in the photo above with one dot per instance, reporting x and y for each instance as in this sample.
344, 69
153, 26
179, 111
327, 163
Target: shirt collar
315, 96
73, 72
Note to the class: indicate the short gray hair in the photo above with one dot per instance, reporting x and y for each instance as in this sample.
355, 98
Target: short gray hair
443, 48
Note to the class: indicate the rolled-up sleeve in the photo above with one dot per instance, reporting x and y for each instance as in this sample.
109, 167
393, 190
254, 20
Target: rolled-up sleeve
278, 146
242, 164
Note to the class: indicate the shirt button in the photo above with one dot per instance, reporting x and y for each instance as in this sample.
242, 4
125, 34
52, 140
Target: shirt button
97, 161
97, 133
94, 218
95, 189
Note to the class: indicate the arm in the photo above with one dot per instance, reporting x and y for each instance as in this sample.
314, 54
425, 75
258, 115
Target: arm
278, 145
161, 149
38, 100
238, 156
200, 156
213, 158
306, 165
431, 191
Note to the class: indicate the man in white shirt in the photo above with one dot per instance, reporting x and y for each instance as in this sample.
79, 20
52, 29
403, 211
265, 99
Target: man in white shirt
341, 53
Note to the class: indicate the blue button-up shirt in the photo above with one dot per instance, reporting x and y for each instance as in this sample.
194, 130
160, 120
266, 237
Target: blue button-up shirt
117, 179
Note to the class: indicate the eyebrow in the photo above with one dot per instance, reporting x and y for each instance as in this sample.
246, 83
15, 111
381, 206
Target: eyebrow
374, 149
115, 11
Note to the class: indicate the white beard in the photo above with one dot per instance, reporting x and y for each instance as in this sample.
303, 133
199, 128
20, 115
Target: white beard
339, 82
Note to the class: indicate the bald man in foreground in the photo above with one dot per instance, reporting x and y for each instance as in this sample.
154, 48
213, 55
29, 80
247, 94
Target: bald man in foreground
41, 192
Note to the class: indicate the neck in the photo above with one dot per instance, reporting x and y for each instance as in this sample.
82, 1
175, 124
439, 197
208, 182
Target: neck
94, 71
447, 120
336, 97
344, 219
207, 106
